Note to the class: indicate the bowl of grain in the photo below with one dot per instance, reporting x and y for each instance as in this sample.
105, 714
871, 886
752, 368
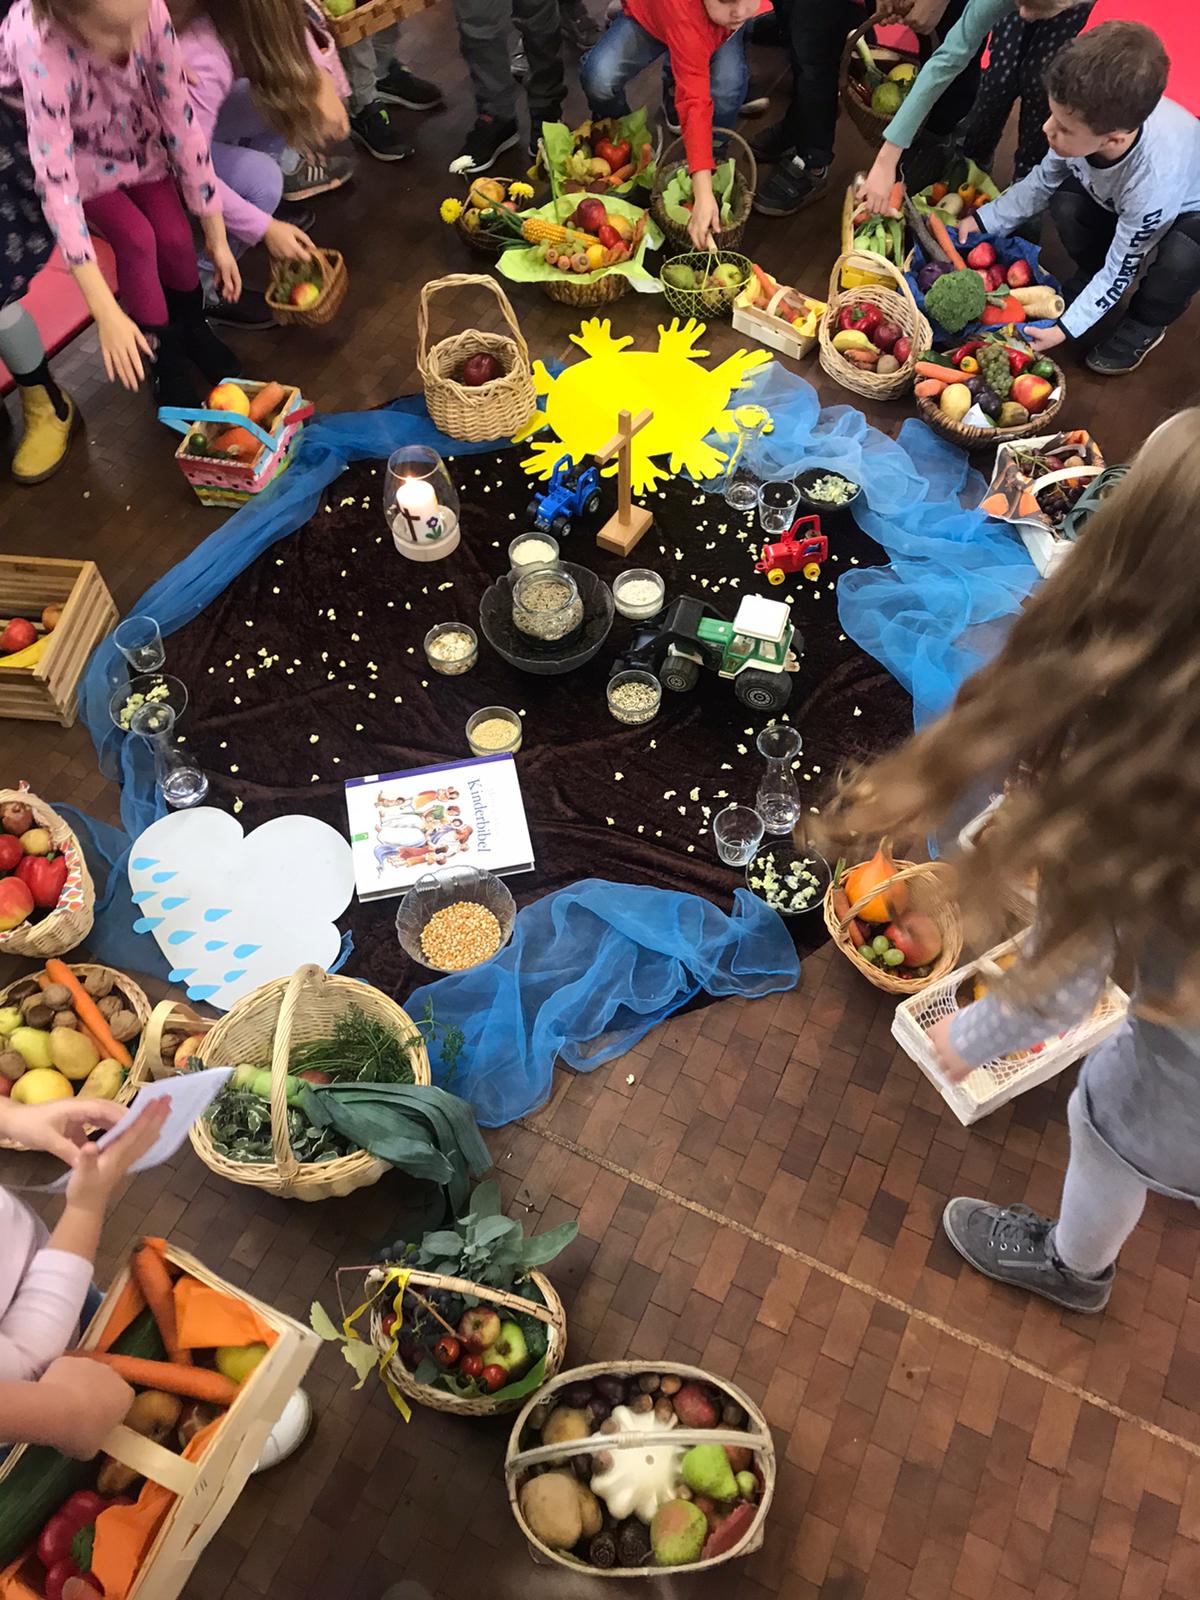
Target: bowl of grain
547, 656
638, 593
634, 697
451, 648
530, 550
494, 731
455, 919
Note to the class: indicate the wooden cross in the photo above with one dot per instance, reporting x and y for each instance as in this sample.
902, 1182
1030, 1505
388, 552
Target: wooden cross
622, 531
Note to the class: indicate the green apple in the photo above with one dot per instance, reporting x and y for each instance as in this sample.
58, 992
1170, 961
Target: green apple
509, 1351
238, 1361
11, 1018
338, 8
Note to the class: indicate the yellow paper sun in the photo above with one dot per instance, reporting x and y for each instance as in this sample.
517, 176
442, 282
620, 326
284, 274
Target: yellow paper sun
688, 401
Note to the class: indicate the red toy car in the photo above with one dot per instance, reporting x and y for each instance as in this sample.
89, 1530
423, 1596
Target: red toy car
802, 549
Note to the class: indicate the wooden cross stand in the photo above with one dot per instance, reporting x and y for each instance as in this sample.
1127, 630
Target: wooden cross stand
621, 532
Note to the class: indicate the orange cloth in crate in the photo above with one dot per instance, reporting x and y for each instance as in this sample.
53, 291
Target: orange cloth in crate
206, 1317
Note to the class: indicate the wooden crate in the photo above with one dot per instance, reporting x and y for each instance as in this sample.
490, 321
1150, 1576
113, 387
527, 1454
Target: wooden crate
372, 16
48, 691
205, 1489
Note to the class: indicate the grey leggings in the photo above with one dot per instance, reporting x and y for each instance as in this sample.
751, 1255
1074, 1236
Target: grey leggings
1102, 1199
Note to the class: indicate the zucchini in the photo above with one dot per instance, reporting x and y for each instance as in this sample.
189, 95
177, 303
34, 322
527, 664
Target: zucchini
40, 1479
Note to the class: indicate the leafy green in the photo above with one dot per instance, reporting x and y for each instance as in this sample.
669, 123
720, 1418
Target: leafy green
679, 188
559, 141
359, 1355
240, 1126
485, 1246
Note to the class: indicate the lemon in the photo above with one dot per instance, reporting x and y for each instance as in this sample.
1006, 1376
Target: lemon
904, 73
40, 1085
236, 1361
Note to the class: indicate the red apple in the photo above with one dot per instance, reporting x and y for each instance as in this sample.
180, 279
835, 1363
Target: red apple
479, 1328
479, 369
16, 817
190, 1047
493, 1377
16, 902
447, 1350
19, 635
902, 349
1030, 392
471, 1365
11, 852
917, 937
304, 295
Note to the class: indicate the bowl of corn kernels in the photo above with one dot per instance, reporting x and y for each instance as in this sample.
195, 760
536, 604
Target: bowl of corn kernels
454, 919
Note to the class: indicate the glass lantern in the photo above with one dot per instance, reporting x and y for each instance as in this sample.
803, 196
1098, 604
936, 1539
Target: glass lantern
421, 504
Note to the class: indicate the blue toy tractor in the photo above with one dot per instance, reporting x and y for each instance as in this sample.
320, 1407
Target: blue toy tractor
570, 493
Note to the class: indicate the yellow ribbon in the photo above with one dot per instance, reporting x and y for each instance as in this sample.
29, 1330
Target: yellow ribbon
397, 1278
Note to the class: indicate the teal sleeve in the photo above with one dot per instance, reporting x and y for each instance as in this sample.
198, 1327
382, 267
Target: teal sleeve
955, 52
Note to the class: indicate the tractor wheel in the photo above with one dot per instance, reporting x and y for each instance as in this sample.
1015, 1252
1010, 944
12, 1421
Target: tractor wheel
533, 512
560, 527
592, 504
812, 571
679, 673
776, 575
763, 691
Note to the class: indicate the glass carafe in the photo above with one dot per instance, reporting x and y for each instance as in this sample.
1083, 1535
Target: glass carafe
778, 799
742, 480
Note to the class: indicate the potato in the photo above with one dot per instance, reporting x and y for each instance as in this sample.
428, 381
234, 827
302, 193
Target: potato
550, 1505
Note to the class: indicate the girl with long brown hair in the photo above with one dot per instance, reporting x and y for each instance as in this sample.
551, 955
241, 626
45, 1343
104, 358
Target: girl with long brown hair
1090, 715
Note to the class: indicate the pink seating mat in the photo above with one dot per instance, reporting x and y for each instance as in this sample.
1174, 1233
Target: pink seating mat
56, 305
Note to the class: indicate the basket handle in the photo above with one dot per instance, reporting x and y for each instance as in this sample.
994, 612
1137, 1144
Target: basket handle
924, 46
458, 280
281, 1051
499, 1297
661, 171
868, 261
149, 1051
902, 876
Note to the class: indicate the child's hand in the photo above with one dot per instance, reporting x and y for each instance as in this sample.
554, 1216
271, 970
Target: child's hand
953, 1066
97, 1172
875, 191
225, 272
704, 225
90, 1399
122, 344
59, 1128
287, 242
966, 228
1043, 339
333, 121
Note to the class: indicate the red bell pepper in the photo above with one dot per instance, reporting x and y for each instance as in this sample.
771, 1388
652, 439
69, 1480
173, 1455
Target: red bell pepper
44, 876
1018, 360
64, 1545
615, 154
862, 317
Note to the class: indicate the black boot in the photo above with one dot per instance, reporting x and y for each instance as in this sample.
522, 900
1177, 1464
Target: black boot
170, 374
185, 309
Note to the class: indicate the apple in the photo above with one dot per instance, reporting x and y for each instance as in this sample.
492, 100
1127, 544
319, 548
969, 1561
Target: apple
229, 397
10, 852
1028, 391
339, 8
493, 1377
304, 295
447, 1350
479, 369
16, 817
37, 842
238, 1361
19, 635
916, 937
471, 1365
479, 1329
509, 1351
190, 1047
5, 1087
16, 902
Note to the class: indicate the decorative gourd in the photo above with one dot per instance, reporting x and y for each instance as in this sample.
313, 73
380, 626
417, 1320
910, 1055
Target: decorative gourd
639, 1480
876, 874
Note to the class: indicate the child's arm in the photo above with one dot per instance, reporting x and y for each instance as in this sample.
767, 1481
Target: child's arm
73, 1407
989, 1028
692, 65
46, 82
955, 53
1026, 199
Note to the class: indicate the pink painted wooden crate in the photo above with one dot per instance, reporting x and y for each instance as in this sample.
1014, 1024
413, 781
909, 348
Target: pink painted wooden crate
218, 481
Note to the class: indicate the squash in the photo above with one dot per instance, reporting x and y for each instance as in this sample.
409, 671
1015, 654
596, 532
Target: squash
862, 880
637, 1482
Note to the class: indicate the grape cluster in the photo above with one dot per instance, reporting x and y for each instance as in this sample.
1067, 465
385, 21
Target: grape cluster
418, 1330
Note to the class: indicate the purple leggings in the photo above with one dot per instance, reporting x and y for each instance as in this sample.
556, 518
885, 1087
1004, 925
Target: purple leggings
151, 238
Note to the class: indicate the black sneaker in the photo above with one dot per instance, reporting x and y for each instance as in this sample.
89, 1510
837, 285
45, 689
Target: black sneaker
302, 217
374, 130
790, 188
773, 143
1126, 347
488, 139
249, 312
670, 115
518, 64
400, 87
1014, 1245
316, 175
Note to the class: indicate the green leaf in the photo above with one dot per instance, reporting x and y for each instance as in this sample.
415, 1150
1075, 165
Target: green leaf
485, 1202
495, 1229
441, 1243
82, 1547
532, 1380
362, 1358
321, 1324
543, 1247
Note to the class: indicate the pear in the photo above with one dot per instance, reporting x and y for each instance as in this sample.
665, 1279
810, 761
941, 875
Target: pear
678, 1532
679, 275
706, 1470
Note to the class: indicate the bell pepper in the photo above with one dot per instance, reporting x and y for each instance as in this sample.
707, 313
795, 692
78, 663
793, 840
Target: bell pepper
64, 1546
861, 317
615, 154
1040, 369
1018, 360
968, 195
969, 365
44, 876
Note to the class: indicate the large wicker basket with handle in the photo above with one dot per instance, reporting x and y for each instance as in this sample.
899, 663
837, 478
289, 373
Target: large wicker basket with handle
745, 182
490, 410
936, 903
897, 305
973, 438
868, 122
272, 1021
71, 920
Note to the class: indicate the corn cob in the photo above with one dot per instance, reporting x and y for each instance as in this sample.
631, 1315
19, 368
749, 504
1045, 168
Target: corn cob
536, 230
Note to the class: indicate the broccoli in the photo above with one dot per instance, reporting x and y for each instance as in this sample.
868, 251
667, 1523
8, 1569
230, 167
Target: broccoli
956, 299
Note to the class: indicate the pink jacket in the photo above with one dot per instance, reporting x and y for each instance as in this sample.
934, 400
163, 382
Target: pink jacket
95, 126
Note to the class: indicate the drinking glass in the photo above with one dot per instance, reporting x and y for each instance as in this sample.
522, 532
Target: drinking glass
738, 831
180, 781
778, 798
777, 502
140, 642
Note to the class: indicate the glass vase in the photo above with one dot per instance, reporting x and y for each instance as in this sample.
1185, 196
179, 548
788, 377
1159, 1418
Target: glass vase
778, 799
742, 482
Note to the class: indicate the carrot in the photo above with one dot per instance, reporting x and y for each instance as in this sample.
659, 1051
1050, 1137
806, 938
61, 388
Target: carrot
896, 198
766, 283
621, 175
89, 1013
197, 1383
941, 233
152, 1278
237, 443
269, 398
931, 369
930, 388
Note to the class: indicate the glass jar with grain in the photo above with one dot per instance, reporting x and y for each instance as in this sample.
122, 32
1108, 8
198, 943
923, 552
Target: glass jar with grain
547, 607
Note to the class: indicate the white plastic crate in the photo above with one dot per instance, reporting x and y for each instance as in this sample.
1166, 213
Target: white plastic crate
996, 1082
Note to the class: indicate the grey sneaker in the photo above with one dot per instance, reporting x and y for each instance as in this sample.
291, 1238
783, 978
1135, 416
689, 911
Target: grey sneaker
1126, 347
316, 175
1013, 1244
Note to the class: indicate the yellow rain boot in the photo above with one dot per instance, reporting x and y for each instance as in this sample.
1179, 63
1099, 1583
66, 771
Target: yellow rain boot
47, 437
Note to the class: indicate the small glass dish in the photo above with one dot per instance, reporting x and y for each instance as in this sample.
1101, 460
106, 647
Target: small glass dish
481, 742
738, 831
639, 610
451, 648
769, 875
150, 704
530, 550
438, 891
634, 686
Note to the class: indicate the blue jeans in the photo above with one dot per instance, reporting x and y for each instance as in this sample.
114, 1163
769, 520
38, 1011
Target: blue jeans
625, 49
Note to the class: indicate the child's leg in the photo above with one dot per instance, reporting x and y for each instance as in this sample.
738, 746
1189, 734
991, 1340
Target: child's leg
255, 174
623, 50
1043, 40
174, 250
998, 90
1085, 229
817, 31
540, 25
1102, 1200
50, 414
359, 61
482, 39
729, 77
131, 238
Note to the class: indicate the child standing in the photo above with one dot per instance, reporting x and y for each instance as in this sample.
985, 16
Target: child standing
483, 40
1091, 711
1122, 183
104, 96
379, 80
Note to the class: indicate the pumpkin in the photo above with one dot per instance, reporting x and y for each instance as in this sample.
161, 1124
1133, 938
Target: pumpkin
861, 882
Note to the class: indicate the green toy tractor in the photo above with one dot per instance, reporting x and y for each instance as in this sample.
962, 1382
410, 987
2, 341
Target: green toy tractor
757, 649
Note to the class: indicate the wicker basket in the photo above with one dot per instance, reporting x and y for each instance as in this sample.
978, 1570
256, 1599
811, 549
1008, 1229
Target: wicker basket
897, 305
869, 123
138, 1004
939, 906
422, 1394
168, 1017
482, 241
585, 290
741, 198
325, 307
971, 438
996, 1082
71, 920
277, 1016
692, 302
372, 16
492, 410
756, 1436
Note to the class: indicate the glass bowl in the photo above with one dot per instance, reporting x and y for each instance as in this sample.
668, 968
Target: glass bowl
494, 714
647, 608
630, 715
435, 891
785, 854
496, 623
143, 721
451, 666
831, 516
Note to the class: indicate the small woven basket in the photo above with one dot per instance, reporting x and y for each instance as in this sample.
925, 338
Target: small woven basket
756, 1437
325, 307
869, 123
484, 1405
136, 1000
484, 241
169, 1019
897, 304
745, 182
585, 290
70, 922
972, 438
372, 16
704, 304
937, 904
274, 1018
492, 410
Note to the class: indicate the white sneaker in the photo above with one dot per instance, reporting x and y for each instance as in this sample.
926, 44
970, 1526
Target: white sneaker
289, 1433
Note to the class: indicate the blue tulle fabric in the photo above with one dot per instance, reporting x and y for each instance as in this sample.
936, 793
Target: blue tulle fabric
588, 972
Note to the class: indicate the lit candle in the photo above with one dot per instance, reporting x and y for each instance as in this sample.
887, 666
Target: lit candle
417, 498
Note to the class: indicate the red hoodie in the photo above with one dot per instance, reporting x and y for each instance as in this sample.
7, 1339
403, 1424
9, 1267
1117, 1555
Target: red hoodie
692, 39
